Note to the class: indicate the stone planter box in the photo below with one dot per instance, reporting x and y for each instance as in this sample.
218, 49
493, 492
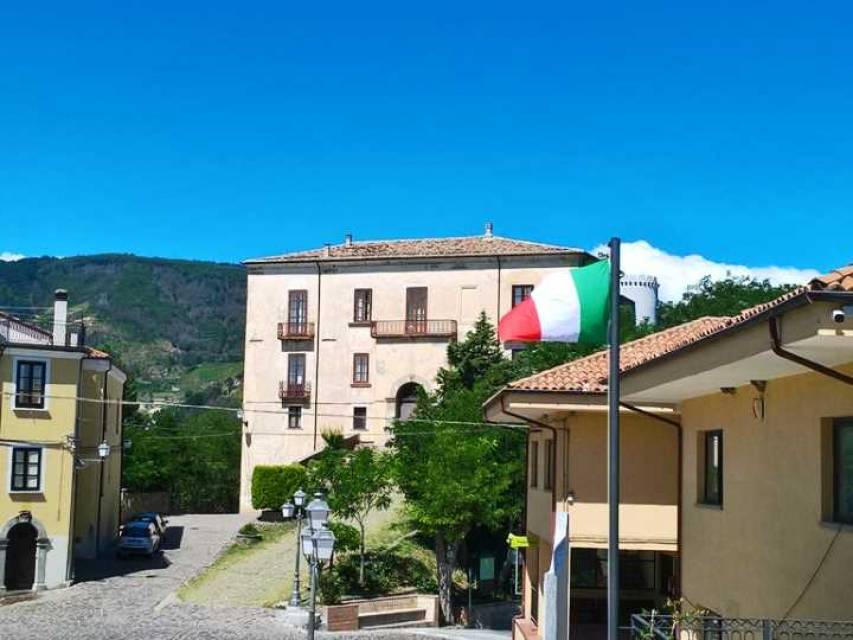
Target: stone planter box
271, 515
248, 539
393, 611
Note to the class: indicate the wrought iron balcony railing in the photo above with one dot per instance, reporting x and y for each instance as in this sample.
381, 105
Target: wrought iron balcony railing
295, 330
294, 392
413, 329
654, 626
16, 331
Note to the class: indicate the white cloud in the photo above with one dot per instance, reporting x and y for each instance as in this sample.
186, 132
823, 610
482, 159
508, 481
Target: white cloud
8, 256
676, 273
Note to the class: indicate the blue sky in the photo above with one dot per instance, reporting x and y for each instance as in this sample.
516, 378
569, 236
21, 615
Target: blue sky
224, 130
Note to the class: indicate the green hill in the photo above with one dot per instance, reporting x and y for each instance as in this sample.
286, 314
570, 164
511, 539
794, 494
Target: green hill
167, 320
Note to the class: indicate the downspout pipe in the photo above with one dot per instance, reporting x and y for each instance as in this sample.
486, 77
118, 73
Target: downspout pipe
680, 476
104, 408
553, 431
780, 351
316, 394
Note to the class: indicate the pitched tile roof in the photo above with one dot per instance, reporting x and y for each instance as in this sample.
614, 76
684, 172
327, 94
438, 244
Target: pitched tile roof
485, 245
839, 280
589, 374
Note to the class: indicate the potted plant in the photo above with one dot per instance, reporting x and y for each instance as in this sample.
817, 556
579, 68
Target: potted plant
248, 535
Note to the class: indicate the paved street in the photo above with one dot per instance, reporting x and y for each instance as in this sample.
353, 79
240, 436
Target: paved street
134, 598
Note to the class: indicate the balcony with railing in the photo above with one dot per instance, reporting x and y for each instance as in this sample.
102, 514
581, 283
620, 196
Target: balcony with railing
443, 329
295, 330
13, 330
294, 391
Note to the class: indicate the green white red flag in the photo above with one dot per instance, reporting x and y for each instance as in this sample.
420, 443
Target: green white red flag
566, 306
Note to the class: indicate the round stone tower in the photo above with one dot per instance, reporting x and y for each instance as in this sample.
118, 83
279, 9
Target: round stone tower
643, 292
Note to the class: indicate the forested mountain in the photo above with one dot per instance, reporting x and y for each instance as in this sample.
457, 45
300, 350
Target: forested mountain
167, 320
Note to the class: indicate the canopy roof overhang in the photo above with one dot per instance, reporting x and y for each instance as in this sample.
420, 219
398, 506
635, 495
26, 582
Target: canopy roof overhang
745, 353
515, 405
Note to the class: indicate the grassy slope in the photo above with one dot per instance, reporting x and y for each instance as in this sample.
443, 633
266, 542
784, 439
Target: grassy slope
262, 575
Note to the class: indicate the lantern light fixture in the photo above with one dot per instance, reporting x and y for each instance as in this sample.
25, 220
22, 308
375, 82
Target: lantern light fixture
299, 498
318, 512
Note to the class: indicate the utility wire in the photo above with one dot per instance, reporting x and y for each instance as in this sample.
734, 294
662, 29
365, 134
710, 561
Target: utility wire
236, 410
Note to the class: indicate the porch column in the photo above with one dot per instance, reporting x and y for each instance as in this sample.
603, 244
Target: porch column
3, 544
42, 547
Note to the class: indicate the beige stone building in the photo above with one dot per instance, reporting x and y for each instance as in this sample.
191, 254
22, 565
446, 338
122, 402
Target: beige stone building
342, 337
60, 451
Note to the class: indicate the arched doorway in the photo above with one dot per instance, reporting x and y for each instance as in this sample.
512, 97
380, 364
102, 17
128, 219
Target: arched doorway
20, 569
407, 400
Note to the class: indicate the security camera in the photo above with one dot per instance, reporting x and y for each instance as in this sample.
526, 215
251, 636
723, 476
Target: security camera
840, 315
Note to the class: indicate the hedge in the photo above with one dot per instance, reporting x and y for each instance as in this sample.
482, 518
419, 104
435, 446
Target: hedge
273, 485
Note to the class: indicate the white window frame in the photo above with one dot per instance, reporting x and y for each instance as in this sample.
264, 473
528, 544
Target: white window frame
47, 385
42, 467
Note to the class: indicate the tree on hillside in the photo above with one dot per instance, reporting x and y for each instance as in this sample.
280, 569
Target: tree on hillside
455, 472
724, 297
356, 482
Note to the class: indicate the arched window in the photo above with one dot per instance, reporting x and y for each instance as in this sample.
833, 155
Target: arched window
407, 399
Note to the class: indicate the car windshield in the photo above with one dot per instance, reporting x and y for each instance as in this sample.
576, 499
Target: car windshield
137, 532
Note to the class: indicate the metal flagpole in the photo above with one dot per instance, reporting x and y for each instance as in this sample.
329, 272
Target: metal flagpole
613, 449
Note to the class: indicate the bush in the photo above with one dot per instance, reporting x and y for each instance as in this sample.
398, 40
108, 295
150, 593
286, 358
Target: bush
347, 537
331, 587
385, 573
273, 485
249, 530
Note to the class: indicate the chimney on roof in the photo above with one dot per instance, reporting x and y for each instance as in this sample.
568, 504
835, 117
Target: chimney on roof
60, 316
327, 250
489, 229
348, 240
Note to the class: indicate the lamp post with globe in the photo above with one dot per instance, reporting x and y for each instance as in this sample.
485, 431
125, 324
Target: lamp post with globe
318, 544
289, 510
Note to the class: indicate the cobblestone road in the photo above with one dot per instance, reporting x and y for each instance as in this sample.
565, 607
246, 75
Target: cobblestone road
135, 598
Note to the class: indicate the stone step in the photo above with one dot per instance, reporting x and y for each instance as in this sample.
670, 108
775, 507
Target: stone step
401, 617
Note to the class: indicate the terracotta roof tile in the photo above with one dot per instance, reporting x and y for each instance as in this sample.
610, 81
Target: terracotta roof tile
421, 248
839, 280
590, 374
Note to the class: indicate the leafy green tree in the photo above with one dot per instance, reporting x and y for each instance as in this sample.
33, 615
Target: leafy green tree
724, 297
356, 482
456, 473
195, 457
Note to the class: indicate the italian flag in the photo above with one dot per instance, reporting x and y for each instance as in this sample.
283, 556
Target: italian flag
567, 306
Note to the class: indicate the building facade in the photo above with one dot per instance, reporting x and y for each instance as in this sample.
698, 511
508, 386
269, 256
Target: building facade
766, 405
342, 338
60, 460
565, 409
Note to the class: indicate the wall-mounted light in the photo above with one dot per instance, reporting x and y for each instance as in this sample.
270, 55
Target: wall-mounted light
758, 401
103, 450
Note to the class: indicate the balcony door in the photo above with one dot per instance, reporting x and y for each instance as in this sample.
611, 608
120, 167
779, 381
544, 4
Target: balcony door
416, 310
297, 312
296, 372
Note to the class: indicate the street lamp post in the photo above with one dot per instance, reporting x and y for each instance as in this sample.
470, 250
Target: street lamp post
318, 544
288, 510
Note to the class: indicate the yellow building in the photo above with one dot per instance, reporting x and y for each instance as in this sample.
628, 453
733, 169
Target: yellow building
766, 406
566, 410
60, 431
737, 463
